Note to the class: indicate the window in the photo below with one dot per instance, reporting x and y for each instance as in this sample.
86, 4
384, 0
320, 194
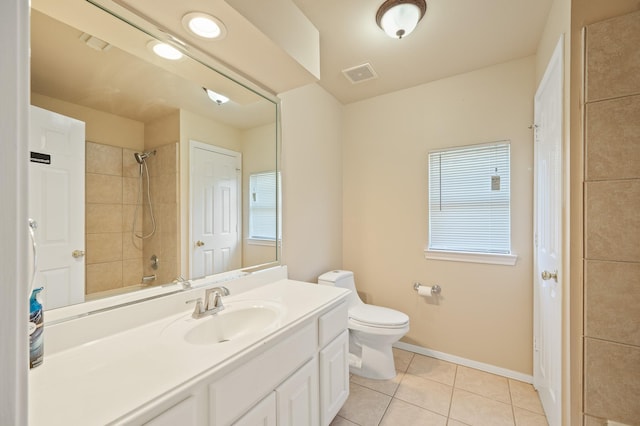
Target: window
264, 223
469, 204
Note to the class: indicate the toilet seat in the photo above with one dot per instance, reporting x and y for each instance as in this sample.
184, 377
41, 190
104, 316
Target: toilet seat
377, 316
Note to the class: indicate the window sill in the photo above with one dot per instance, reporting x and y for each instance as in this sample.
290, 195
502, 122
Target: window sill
261, 242
459, 256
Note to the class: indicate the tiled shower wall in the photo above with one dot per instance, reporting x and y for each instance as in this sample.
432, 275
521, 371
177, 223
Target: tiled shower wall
115, 259
612, 222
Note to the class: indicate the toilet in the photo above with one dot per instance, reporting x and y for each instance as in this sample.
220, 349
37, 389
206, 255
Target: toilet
372, 330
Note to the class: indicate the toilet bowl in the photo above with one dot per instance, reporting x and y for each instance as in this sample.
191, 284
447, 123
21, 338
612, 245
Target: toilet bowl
372, 330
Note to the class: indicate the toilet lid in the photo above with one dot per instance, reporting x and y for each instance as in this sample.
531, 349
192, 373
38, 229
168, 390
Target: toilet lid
378, 316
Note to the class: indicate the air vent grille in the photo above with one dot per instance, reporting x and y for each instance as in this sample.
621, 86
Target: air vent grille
360, 73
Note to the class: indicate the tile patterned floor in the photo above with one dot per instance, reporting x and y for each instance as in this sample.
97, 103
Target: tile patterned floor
428, 392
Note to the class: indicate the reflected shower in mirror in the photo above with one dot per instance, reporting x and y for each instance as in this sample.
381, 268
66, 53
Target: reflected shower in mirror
142, 114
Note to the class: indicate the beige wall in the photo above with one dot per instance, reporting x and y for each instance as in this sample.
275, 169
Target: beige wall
311, 182
101, 127
258, 155
485, 313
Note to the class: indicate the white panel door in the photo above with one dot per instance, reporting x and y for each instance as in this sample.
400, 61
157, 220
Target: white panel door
215, 210
548, 238
56, 203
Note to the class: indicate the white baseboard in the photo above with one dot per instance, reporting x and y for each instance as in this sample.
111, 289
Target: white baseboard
466, 362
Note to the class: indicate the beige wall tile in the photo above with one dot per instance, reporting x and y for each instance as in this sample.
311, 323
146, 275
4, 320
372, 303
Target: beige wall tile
612, 381
128, 211
478, 410
131, 248
131, 190
592, 421
104, 247
130, 167
103, 277
612, 222
613, 57
613, 139
612, 301
131, 272
103, 159
103, 218
103, 188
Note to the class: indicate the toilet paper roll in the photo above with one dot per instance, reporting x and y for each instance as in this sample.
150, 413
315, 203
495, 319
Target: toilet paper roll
425, 290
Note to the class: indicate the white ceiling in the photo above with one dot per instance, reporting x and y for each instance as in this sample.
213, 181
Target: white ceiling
454, 37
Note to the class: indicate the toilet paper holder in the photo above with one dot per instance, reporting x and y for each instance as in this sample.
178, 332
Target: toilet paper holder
435, 290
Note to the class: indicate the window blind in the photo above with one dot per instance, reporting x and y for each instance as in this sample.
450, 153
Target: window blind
469, 199
263, 206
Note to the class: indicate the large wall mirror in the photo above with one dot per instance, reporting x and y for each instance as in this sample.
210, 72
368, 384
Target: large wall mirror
137, 176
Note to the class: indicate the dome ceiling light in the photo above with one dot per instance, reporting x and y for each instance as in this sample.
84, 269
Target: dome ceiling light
398, 18
204, 25
165, 50
216, 97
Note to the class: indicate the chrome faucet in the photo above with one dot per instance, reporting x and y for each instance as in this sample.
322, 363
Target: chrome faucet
212, 302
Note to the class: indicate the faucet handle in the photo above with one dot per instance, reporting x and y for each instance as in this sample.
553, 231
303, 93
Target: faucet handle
198, 309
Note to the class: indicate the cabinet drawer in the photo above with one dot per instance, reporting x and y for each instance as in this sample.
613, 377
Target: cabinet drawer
239, 390
332, 323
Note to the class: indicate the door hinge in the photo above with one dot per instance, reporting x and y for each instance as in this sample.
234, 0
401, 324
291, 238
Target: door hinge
535, 239
535, 344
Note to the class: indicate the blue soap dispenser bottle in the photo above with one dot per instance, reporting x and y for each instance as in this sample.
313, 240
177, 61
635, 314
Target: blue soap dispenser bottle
36, 327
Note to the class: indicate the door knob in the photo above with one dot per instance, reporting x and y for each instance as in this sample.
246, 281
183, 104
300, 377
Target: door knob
77, 253
199, 243
546, 275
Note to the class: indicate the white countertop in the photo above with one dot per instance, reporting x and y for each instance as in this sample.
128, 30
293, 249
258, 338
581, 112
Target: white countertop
100, 381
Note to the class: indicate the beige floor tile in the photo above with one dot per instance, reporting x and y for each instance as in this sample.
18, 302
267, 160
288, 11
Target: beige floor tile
364, 406
528, 418
482, 383
452, 422
387, 387
402, 359
477, 410
402, 413
341, 421
433, 369
523, 395
425, 393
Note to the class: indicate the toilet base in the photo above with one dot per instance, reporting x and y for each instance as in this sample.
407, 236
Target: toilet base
376, 362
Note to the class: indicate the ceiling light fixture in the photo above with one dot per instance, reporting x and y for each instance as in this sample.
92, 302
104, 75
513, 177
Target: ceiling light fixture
204, 26
165, 50
398, 18
216, 97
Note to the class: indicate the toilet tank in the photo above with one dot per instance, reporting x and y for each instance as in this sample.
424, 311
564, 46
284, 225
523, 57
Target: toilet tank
337, 278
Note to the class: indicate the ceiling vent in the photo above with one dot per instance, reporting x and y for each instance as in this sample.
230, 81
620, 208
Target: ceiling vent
95, 42
360, 73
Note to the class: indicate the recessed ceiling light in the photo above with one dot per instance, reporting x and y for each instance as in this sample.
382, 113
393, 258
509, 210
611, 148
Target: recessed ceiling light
203, 25
165, 50
216, 97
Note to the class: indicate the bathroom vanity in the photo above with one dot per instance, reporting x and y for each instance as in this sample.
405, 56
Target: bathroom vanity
276, 355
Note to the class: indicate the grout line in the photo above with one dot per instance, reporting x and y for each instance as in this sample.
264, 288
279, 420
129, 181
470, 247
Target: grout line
513, 410
453, 389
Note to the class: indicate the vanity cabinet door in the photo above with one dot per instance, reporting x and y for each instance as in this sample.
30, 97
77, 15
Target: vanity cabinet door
297, 397
334, 377
263, 414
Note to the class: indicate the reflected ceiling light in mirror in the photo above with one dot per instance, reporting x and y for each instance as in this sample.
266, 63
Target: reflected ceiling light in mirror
204, 26
216, 97
164, 50
398, 18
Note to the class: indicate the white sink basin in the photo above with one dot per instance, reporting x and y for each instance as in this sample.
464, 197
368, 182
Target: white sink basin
238, 319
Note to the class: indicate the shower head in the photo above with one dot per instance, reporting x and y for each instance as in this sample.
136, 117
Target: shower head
141, 156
